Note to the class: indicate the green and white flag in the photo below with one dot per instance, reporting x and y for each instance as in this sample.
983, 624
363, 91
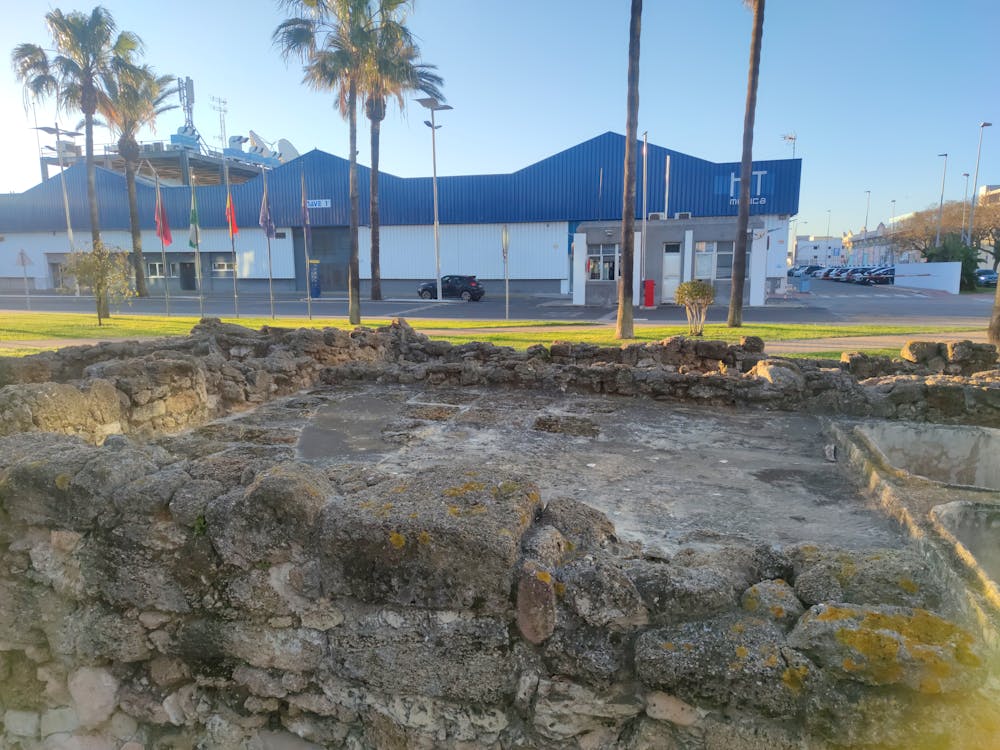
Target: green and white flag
195, 238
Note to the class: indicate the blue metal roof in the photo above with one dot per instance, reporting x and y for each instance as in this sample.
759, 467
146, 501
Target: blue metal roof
579, 184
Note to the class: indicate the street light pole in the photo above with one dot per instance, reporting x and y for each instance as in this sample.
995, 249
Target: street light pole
937, 237
645, 214
975, 180
892, 230
435, 106
965, 198
868, 205
62, 179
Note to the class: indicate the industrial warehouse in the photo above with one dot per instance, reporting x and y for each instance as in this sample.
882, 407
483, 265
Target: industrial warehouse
562, 214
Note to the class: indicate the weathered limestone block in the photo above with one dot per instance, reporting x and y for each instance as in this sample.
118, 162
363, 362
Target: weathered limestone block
449, 655
275, 515
928, 353
91, 410
96, 634
593, 655
21, 723
673, 593
601, 594
536, 603
565, 709
413, 542
775, 600
890, 646
780, 373
584, 527
882, 576
94, 692
62, 483
731, 660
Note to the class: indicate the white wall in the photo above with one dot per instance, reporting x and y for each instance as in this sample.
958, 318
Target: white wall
251, 250
537, 251
941, 276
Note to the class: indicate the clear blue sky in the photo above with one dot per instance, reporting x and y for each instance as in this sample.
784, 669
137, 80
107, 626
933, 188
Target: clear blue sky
873, 90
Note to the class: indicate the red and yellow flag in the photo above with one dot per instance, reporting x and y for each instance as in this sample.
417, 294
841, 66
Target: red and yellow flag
231, 215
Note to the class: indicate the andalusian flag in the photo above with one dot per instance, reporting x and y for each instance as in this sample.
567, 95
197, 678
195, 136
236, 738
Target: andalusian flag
195, 238
162, 225
231, 215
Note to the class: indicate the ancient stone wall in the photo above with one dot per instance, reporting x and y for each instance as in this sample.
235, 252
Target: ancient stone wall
210, 591
172, 385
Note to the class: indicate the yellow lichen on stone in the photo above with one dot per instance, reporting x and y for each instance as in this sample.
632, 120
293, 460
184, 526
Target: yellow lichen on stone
794, 678
63, 481
464, 489
668, 646
454, 510
560, 588
778, 611
751, 603
397, 540
878, 648
544, 576
737, 627
908, 585
741, 652
423, 538
771, 660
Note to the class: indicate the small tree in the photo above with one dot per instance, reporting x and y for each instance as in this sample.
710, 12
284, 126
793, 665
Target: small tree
696, 296
108, 274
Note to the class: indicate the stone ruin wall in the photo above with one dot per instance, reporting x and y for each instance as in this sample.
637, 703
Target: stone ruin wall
208, 590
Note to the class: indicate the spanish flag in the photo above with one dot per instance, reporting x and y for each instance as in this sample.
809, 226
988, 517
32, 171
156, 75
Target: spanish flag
231, 215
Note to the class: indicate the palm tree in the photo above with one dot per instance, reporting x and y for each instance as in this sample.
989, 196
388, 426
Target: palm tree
331, 38
135, 97
735, 318
392, 70
624, 328
86, 50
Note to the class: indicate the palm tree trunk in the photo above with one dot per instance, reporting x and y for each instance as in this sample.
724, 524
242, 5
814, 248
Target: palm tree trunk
376, 266
133, 219
624, 328
354, 284
739, 274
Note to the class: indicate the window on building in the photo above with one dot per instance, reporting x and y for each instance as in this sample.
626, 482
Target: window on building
724, 260
222, 268
154, 269
602, 262
704, 260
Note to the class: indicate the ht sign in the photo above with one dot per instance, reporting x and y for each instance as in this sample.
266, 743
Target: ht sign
756, 199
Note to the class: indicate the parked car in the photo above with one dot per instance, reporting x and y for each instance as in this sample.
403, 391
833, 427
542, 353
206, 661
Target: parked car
840, 273
885, 275
463, 287
986, 277
806, 270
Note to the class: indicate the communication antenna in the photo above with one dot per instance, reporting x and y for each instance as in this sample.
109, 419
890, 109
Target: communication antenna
219, 105
790, 138
185, 89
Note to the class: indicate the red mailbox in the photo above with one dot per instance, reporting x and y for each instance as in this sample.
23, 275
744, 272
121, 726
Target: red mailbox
647, 293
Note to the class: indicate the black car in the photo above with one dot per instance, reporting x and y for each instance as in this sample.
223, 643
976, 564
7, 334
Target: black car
986, 277
463, 287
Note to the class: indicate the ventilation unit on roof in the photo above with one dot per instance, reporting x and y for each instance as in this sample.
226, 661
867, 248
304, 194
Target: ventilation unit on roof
682, 215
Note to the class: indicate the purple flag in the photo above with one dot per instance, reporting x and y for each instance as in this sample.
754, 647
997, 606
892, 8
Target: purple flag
266, 222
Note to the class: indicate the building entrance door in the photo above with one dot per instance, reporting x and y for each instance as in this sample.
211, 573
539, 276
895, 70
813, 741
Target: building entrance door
189, 280
671, 271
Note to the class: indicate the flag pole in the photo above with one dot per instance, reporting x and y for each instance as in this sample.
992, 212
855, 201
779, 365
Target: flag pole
231, 220
306, 237
196, 244
163, 249
267, 234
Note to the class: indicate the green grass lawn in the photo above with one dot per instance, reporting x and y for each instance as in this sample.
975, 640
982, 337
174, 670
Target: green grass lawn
53, 326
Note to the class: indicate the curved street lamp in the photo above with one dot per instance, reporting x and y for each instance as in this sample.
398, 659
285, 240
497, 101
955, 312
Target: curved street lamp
975, 180
435, 106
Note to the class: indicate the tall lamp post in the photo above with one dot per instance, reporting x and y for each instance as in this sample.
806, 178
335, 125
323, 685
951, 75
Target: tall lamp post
892, 230
975, 180
435, 106
937, 237
965, 199
56, 131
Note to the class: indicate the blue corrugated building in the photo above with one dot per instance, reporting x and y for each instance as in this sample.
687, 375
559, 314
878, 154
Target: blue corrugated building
543, 205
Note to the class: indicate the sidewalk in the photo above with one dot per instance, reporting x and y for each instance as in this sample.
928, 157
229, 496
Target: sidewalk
856, 343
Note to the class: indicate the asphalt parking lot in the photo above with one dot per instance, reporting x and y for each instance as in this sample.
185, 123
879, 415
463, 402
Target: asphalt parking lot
826, 302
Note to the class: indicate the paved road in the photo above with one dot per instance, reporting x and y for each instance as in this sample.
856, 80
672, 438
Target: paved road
828, 302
